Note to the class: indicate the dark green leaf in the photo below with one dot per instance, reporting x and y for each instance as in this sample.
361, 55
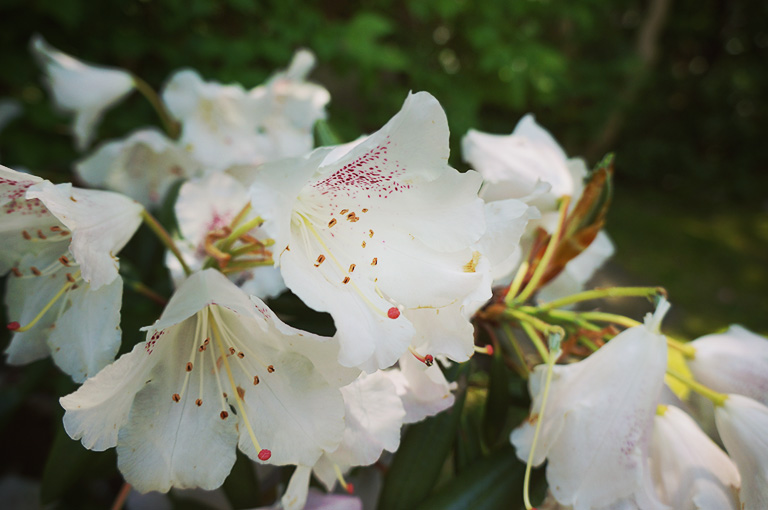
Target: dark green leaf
242, 486
420, 458
492, 483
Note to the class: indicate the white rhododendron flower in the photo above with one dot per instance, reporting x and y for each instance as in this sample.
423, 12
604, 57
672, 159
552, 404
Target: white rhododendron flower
689, 471
743, 426
205, 210
423, 390
218, 370
142, 166
733, 362
513, 165
373, 419
516, 166
64, 297
379, 232
598, 421
288, 108
86, 91
219, 122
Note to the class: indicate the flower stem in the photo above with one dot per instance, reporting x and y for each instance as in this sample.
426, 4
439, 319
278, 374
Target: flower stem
172, 127
536, 339
717, 398
516, 347
142, 289
121, 496
610, 317
688, 350
554, 345
604, 293
541, 268
514, 288
165, 238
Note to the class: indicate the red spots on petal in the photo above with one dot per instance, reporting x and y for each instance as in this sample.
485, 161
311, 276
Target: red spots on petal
393, 313
264, 454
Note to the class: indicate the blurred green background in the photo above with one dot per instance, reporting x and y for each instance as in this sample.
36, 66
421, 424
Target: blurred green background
676, 89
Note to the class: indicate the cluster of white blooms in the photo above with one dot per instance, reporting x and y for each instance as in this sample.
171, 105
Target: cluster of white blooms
400, 249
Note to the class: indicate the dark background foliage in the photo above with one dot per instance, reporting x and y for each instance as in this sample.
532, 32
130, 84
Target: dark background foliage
675, 89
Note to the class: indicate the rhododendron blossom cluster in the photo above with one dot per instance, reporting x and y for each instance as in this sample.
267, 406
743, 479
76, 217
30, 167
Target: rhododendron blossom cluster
428, 275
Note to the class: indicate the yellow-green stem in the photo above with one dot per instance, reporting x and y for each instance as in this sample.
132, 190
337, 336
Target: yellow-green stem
172, 127
717, 398
610, 317
529, 463
235, 267
541, 268
603, 293
165, 238
536, 339
688, 350
248, 248
514, 288
516, 347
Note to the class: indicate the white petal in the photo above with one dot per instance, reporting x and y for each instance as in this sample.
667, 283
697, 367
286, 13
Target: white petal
101, 222
295, 496
423, 390
374, 416
219, 122
86, 90
21, 215
142, 166
100, 407
743, 426
597, 422
166, 443
733, 362
505, 223
689, 470
87, 335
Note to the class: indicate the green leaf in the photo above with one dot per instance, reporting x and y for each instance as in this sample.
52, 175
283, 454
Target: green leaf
492, 483
68, 463
420, 458
497, 403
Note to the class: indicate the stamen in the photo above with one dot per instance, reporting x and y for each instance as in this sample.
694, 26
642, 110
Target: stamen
344, 211
345, 280
351, 267
224, 415
176, 397
488, 349
320, 260
340, 477
332, 223
255, 380
45, 309
35, 271
189, 366
26, 235
16, 272
263, 454
270, 368
393, 313
427, 359
40, 234
64, 260
374, 261
199, 402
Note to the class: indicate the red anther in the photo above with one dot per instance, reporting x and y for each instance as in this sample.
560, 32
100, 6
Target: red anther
350, 488
393, 313
489, 349
13, 326
264, 454
429, 360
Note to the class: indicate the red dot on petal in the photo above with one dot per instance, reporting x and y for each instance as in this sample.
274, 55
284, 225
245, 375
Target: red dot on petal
13, 326
393, 313
265, 454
